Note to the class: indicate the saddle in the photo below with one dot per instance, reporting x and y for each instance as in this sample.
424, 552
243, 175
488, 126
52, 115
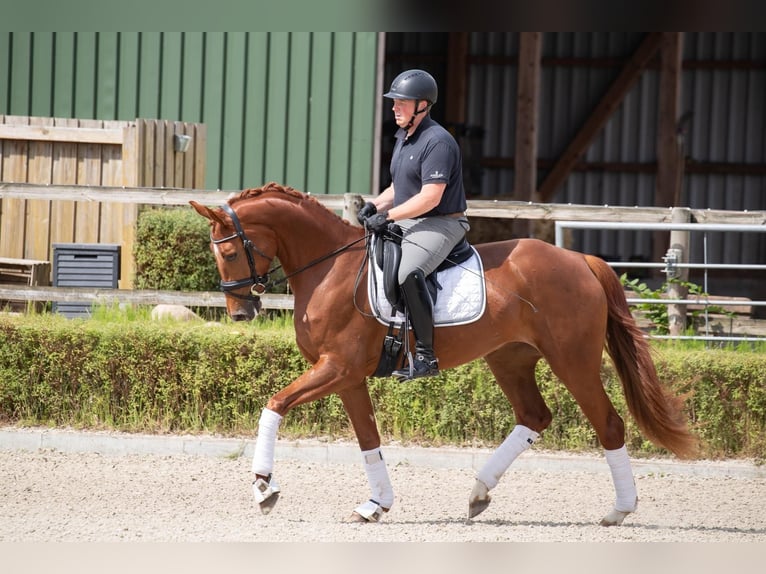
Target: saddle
387, 249
387, 252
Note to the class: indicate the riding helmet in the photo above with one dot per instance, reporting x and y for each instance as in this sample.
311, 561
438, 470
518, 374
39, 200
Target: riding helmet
413, 85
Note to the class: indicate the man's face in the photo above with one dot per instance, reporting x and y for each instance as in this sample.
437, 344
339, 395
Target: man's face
403, 111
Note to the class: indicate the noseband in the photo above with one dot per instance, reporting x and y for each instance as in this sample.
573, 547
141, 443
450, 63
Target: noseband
258, 283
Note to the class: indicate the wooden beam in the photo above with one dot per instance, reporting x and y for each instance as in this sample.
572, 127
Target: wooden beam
476, 207
527, 111
669, 142
14, 291
605, 108
457, 77
527, 114
667, 191
62, 134
138, 195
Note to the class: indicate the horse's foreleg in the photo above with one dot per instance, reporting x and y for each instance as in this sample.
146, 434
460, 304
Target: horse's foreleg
319, 381
265, 488
358, 406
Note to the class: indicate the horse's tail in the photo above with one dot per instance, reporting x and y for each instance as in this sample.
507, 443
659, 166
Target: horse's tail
658, 413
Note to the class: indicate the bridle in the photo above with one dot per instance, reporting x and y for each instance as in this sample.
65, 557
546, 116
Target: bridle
260, 283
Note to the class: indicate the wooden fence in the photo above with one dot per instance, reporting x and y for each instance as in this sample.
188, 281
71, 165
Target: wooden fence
492, 210
55, 153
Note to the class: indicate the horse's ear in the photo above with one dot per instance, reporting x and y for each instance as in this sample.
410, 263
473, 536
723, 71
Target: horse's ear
206, 212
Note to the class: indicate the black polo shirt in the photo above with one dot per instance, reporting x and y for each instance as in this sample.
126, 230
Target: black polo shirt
430, 155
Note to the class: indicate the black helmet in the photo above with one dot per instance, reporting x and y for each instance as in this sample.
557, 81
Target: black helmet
413, 85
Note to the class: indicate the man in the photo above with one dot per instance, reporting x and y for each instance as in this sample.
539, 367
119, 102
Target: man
426, 199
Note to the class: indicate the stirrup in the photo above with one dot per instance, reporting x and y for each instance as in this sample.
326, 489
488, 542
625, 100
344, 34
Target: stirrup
418, 367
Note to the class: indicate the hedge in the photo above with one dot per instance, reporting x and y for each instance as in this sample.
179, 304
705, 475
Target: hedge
172, 251
168, 377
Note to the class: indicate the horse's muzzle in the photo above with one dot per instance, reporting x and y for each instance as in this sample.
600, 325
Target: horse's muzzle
246, 310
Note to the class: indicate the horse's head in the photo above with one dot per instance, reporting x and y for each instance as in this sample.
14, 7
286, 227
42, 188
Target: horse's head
242, 265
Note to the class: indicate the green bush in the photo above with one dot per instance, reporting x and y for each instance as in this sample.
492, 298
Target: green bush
172, 251
176, 377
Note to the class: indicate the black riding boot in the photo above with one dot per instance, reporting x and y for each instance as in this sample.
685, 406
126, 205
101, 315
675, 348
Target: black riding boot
418, 301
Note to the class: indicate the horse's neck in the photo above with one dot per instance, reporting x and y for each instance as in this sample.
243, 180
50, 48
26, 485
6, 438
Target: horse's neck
308, 234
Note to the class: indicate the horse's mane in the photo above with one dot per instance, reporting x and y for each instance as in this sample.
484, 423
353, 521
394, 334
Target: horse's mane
285, 192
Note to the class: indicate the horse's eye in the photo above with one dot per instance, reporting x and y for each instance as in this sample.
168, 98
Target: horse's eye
230, 257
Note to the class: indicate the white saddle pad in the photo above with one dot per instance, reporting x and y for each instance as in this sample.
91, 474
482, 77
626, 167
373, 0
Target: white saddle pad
461, 299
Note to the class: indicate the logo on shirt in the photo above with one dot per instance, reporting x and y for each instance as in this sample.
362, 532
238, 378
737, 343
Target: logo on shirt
436, 174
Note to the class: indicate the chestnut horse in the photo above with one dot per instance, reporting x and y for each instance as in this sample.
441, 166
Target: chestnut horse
542, 302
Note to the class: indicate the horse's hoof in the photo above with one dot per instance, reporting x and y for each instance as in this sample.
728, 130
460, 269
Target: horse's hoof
356, 518
369, 511
266, 493
479, 499
615, 517
269, 503
477, 507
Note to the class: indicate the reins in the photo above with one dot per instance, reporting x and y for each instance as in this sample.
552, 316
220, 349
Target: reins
259, 284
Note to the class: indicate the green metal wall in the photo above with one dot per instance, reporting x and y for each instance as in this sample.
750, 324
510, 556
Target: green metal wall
292, 107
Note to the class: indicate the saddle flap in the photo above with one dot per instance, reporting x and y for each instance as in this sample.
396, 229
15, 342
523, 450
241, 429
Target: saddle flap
388, 255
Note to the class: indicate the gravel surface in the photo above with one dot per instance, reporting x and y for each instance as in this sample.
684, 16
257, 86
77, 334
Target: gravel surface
52, 495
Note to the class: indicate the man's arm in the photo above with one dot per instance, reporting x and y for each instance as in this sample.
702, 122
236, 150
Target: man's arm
385, 199
429, 197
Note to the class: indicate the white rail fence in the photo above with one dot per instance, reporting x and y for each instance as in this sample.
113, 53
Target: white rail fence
676, 265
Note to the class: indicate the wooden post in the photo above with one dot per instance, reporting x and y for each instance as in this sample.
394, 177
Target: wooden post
679, 253
669, 142
352, 203
457, 77
527, 114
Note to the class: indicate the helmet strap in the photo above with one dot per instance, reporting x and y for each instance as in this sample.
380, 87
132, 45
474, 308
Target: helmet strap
417, 112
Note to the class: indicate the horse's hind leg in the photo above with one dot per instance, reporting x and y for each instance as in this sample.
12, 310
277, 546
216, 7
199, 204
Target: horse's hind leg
358, 405
582, 377
514, 370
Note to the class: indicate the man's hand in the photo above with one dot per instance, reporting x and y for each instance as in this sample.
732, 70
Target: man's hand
378, 222
366, 211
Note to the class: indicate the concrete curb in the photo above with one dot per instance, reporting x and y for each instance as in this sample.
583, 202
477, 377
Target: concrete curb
344, 452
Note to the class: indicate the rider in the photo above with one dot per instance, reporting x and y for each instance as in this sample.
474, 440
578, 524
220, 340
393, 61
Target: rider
426, 199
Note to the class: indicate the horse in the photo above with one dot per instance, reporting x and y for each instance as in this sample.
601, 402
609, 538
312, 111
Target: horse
542, 302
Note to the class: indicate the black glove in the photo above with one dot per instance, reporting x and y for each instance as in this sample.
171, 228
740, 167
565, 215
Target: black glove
378, 222
367, 210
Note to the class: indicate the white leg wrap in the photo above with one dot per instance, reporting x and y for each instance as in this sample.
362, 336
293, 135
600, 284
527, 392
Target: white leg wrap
370, 511
377, 476
520, 439
622, 476
263, 457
